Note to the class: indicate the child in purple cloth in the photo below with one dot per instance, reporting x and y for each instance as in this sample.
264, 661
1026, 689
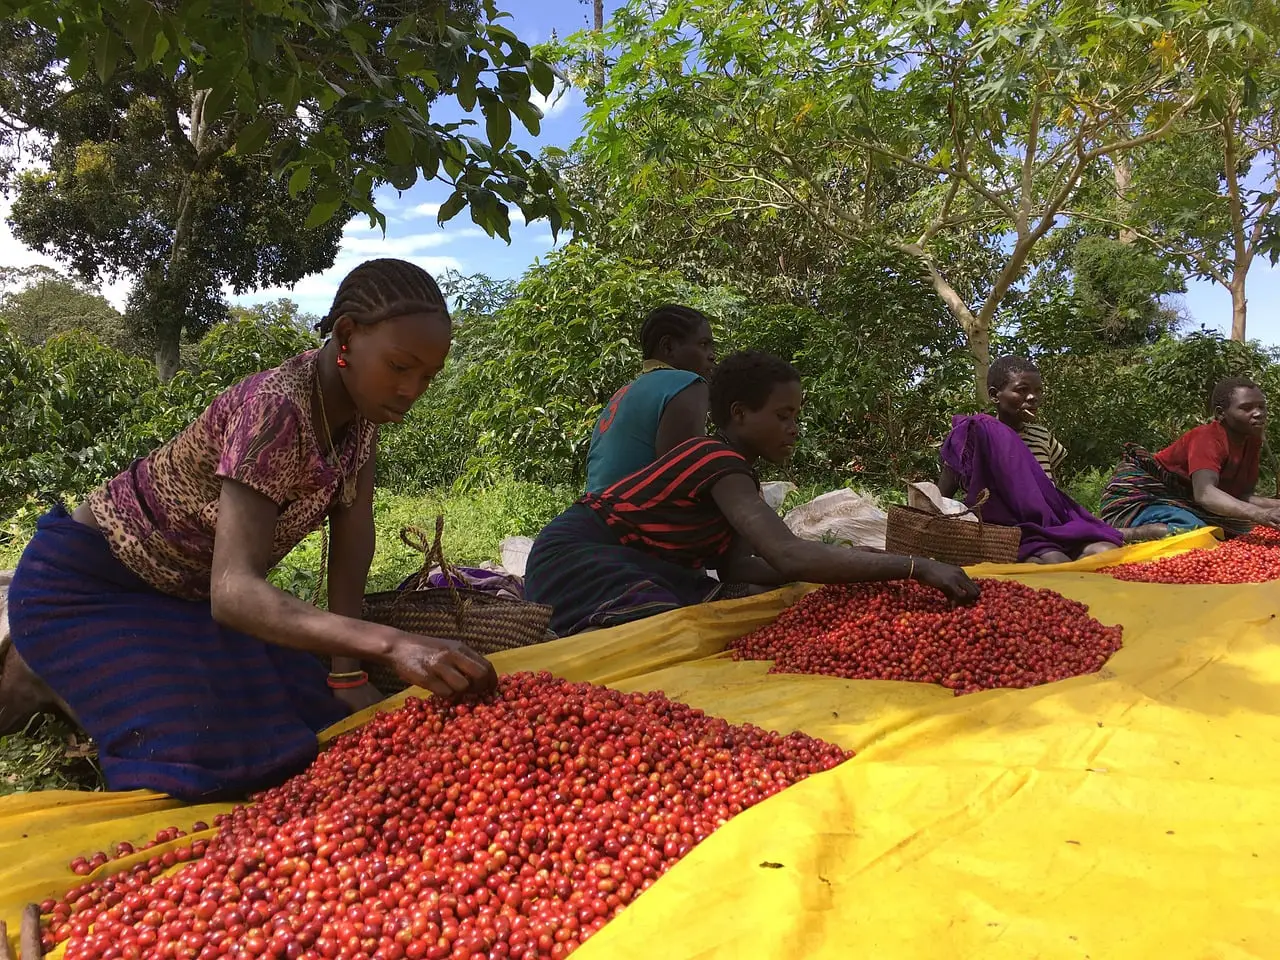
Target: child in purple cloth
1013, 457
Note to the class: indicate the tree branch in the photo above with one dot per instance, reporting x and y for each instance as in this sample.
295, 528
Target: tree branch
1235, 205
973, 183
1028, 167
945, 291
1131, 143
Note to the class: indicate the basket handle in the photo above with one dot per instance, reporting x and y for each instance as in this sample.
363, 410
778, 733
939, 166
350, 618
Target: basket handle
975, 509
415, 538
983, 496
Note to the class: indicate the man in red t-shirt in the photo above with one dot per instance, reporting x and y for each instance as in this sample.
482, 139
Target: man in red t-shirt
1204, 478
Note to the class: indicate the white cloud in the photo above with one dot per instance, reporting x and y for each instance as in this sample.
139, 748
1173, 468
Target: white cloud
425, 210
557, 102
374, 244
314, 293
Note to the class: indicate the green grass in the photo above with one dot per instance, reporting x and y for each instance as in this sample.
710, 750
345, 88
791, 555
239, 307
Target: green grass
49, 754
1086, 488
475, 524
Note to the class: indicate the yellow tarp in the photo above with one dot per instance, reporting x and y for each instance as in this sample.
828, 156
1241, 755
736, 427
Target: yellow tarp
1130, 814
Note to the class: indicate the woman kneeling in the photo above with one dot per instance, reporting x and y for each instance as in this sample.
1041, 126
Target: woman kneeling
644, 545
1205, 478
147, 613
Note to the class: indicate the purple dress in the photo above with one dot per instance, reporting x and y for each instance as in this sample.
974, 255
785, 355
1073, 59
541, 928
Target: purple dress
989, 455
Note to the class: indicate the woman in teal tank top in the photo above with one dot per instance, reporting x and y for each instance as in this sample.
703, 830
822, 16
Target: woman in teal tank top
664, 406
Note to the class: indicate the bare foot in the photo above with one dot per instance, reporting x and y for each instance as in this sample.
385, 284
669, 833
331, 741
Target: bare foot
1145, 532
1050, 557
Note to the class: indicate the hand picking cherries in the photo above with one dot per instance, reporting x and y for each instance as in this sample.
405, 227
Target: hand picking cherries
514, 826
1253, 558
1014, 636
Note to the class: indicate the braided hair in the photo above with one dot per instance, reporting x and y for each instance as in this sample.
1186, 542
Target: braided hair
1005, 369
746, 377
1223, 390
378, 289
668, 320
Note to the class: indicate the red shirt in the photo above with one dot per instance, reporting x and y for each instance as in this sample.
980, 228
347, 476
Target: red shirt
1210, 447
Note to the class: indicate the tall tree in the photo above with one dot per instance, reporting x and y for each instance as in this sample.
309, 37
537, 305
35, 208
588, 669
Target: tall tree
37, 303
197, 145
810, 105
1208, 199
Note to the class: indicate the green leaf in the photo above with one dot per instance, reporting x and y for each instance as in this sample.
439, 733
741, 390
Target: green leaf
299, 180
541, 76
290, 98
451, 207
78, 63
107, 54
220, 98
261, 46
327, 203
497, 122
529, 115
142, 26
399, 144
402, 177
160, 47
253, 136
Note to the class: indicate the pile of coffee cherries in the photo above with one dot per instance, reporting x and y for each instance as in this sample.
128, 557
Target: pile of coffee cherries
1252, 558
515, 826
1014, 636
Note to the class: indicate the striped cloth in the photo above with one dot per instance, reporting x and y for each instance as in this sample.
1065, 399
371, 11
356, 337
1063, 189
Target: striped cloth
666, 508
590, 580
1141, 482
1049, 453
176, 702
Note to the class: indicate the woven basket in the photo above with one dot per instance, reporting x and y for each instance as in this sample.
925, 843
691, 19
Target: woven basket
485, 623
949, 539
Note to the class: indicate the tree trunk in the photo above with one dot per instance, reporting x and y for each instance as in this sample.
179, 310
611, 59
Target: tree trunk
1124, 176
599, 28
979, 340
167, 353
1238, 306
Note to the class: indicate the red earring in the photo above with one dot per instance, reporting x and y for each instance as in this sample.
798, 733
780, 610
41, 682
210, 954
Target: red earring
342, 361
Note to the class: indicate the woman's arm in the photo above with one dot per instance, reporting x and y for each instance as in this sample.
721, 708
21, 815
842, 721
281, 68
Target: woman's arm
948, 482
684, 418
797, 559
740, 565
351, 545
242, 599
1207, 493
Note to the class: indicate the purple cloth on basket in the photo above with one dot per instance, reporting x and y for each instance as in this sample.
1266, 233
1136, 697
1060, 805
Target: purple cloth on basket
506, 585
988, 455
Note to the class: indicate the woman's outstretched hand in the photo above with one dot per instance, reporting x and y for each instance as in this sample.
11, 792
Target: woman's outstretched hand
445, 667
952, 581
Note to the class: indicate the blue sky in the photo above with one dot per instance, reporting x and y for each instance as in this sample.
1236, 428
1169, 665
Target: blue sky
412, 231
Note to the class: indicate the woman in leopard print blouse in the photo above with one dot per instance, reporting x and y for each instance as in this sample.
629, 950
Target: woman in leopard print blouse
147, 613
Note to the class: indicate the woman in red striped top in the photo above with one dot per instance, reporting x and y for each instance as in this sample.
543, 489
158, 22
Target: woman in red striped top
644, 545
